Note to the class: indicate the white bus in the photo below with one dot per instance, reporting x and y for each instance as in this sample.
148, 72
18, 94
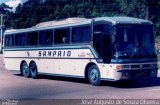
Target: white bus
104, 48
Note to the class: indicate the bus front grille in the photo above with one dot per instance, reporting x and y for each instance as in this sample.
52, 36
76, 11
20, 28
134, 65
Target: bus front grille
140, 73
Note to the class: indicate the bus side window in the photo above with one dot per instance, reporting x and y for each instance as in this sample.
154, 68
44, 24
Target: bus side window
81, 34
20, 39
76, 35
62, 36
9, 41
86, 34
32, 39
46, 37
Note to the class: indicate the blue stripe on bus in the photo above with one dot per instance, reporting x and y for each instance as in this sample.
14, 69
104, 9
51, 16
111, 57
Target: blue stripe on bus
72, 76
48, 58
54, 48
62, 75
42, 48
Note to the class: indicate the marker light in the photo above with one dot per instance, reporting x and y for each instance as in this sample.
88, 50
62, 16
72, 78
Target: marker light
118, 67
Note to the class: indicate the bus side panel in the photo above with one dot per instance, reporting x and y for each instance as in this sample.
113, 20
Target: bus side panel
45, 65
107, 72
49, 61
61, 66
12, 64
73, 65
68, 67
12, 59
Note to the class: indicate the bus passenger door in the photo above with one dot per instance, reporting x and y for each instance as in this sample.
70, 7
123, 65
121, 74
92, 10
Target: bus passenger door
98, 43
101, 41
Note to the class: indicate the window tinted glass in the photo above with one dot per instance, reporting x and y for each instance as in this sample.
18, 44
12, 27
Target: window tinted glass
46, 37
103, 28
62, 36
9, 41
20, 39
102, 41
81, 34
32, 38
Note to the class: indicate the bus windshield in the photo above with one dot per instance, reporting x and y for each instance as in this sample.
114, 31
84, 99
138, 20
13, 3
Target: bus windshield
134, 41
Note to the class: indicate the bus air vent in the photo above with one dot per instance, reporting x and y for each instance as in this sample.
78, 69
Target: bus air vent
146, 65
135, 66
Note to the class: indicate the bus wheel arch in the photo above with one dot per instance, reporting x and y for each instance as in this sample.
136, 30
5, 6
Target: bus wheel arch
24, 69
33, 70
89, 69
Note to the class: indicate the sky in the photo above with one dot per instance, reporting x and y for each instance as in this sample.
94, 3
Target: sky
12, 3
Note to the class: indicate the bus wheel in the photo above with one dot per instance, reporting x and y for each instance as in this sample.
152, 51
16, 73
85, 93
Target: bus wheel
25, 70
34, 71
94, 75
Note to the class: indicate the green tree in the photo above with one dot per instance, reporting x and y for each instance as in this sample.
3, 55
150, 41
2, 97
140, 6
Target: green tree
4, 8
35, 11
133, 8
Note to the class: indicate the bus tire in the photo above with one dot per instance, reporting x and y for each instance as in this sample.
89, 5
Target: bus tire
33, 70
94, 75
25, 70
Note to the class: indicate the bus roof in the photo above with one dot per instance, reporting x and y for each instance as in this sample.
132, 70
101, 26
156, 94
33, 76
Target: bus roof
78, 21
124, 20
62, 22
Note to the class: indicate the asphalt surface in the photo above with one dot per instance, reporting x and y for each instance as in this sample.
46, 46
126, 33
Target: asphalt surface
14, 86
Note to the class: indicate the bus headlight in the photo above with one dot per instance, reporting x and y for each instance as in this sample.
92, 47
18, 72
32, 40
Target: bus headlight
120, 67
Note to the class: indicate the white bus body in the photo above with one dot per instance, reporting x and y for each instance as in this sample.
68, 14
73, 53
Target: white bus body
79, 59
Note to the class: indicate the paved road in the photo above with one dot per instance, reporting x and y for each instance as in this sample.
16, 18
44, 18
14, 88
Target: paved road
14, 86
